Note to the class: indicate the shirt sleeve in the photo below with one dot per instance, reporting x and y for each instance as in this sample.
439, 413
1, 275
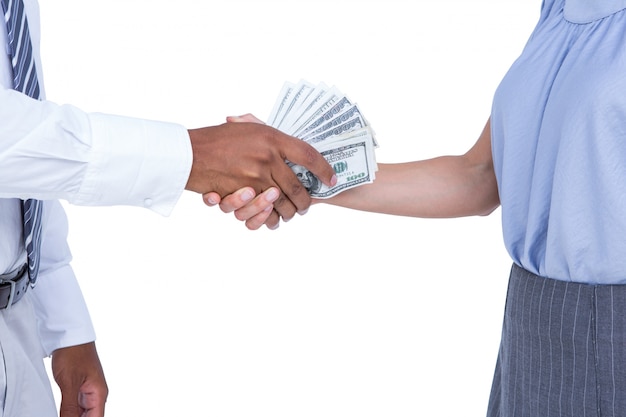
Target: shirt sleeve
62, 315
51, 151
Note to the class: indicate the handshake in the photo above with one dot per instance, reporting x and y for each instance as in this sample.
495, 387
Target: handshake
316, 144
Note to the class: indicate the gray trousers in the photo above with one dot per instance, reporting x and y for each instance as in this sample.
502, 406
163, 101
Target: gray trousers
563, 350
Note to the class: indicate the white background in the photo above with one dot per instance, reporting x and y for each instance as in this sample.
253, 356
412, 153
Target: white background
337, 313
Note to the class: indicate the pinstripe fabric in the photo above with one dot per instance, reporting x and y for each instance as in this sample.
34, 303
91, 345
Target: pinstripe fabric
24, 80
563, 350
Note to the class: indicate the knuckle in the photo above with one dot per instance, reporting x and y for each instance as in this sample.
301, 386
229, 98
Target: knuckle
280, 202
311, 154
297, 189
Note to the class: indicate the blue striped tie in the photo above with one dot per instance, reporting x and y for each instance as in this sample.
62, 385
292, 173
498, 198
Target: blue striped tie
25, 81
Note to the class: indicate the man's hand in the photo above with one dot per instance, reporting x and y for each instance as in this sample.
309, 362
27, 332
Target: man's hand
78, 372
231, 156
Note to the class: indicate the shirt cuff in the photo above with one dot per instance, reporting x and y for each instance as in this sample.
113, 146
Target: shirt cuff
136, 162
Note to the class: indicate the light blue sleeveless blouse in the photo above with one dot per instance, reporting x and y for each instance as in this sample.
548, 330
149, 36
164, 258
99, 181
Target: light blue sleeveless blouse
559, 144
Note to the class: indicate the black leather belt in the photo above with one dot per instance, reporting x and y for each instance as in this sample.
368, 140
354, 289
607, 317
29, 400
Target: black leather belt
13, 286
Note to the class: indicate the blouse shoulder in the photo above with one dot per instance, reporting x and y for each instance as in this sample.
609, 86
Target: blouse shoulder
585, 11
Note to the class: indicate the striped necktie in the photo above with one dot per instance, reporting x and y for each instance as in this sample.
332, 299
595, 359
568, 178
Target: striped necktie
20, 51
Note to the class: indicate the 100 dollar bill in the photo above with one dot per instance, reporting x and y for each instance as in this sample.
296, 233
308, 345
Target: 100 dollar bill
351, 156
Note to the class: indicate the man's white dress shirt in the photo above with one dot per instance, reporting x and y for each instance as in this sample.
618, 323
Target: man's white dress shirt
53, 152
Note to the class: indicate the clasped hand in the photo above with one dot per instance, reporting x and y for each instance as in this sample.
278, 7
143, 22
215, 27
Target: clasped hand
245, 160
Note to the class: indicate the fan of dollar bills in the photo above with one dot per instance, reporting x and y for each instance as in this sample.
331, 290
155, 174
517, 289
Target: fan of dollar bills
325, 118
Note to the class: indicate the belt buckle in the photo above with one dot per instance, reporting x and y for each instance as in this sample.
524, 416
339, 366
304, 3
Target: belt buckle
11, 294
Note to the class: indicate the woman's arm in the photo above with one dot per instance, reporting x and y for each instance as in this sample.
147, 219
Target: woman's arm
446, 186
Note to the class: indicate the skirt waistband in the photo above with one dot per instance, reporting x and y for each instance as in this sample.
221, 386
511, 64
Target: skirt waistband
522, 273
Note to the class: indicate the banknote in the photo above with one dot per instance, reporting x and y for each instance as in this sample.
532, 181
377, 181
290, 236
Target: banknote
315, 110
340, 109
291, 102
334, 125
352, 159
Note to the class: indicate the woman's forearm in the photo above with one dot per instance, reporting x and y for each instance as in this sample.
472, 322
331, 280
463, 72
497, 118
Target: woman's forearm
446, 186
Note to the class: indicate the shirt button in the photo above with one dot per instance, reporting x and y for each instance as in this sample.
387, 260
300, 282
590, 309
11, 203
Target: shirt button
147, 202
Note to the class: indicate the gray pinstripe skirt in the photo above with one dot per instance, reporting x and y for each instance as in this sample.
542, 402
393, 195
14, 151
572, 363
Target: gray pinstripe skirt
563, 350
